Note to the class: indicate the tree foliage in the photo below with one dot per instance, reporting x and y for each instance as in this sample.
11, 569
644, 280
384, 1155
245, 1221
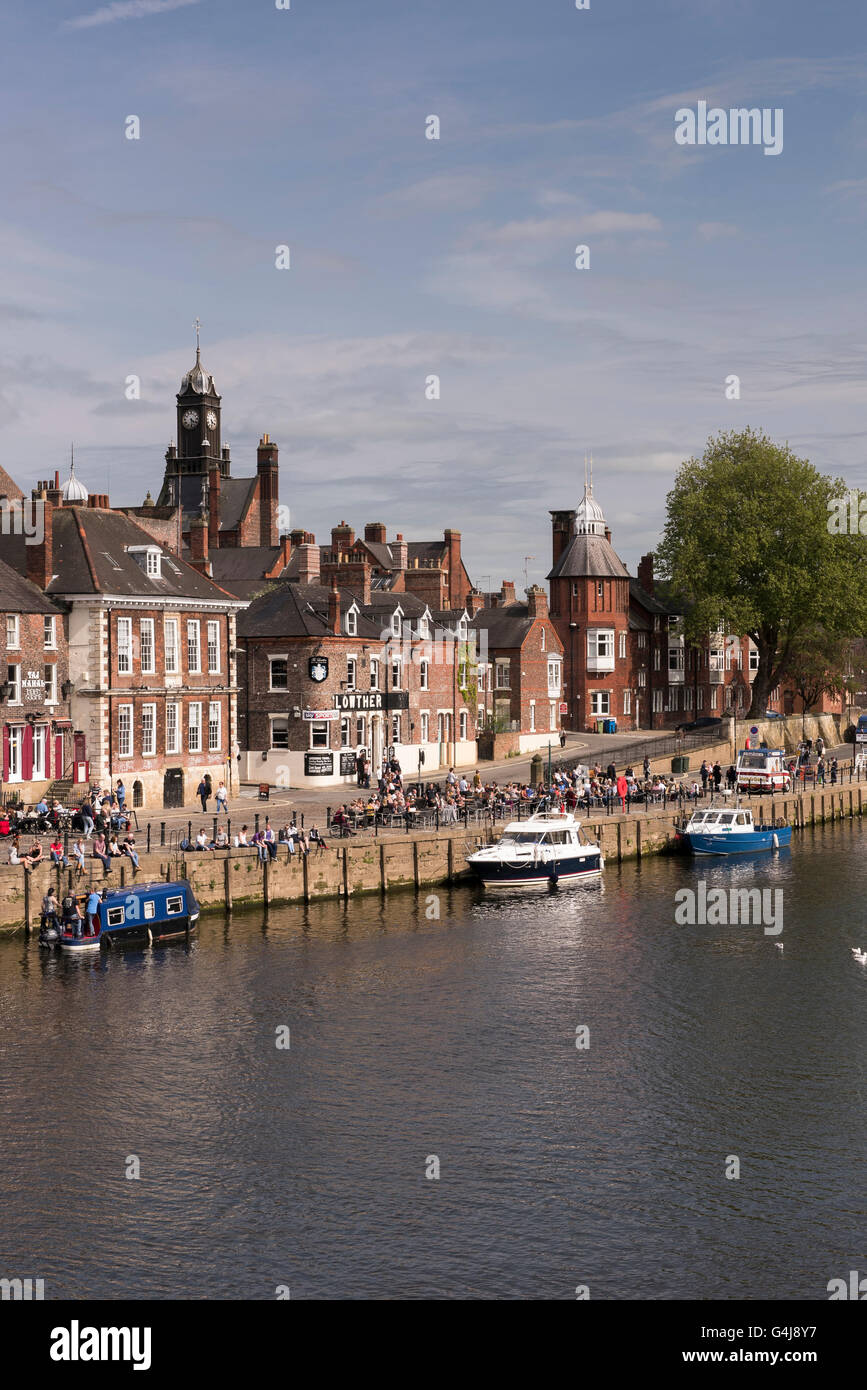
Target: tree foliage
747, 544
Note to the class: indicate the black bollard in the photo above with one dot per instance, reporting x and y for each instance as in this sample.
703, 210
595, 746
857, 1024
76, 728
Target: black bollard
162, 832
215, 829
327, 817
256, 826
149, 837
189, 830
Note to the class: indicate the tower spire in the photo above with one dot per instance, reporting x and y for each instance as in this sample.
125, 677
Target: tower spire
197, 326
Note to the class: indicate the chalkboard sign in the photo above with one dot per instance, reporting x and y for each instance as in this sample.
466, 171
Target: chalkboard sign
318, 764
348, 764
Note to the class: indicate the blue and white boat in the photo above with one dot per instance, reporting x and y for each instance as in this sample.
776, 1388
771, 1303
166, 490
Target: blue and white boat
142, 912
733, 831
543, 851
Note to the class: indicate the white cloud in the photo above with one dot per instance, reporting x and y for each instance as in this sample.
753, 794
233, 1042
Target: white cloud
710, 231
126, 9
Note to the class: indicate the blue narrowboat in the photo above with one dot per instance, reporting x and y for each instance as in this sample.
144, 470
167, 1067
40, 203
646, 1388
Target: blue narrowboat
142, 912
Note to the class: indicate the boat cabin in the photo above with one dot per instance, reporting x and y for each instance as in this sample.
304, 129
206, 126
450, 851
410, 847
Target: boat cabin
718, 821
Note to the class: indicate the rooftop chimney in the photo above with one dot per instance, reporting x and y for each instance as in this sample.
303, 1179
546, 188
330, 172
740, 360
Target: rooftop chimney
400, 551
334, 610
199, 545
375, 531
507, 592
475, 602
537, 602
308, 563
562, 531
342, 537
269, 489
457, 588
645, 573
39, 559
213, 504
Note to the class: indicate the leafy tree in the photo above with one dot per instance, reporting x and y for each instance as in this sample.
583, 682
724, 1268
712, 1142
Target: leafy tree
819, 664
748, 543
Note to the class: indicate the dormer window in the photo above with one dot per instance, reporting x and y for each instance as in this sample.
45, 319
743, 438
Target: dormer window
423, 627
462, 629
352, 622
148, 558
395, 622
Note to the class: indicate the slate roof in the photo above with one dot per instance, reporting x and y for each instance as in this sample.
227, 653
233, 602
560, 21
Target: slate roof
19, 595
300, 610
9, 488
235, 496
589, 556
241, 569
90, 556
647, 601
506, 626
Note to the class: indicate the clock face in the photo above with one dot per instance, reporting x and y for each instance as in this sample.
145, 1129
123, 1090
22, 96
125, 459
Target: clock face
190, 419
212, 420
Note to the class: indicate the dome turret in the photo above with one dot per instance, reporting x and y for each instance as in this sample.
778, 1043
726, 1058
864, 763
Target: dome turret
73, 493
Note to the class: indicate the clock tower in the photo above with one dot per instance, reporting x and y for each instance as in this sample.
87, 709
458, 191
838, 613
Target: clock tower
199, 446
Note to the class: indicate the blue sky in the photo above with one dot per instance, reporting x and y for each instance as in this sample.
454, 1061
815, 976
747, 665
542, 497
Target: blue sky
412, 257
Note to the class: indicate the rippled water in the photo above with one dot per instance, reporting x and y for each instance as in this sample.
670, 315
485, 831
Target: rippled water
454, 1037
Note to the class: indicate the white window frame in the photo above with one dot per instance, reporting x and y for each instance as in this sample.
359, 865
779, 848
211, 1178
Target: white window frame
425, 727
213, 632
462, 726
49, 633
124, 646
374, 673
351, 623
352, 673
16, 752
40, 746
173, 727
600, 704
194, 726
194, 647
172, 643
554, 681
124, 731
627, 702
532, 716
657, 701
215, 726
271, 661
13, 632
50, 674
503, 667
424, 675
146, 637
282, 721
148, 730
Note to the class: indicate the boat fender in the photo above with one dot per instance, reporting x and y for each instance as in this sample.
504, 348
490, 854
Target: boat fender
150, 937
775, 840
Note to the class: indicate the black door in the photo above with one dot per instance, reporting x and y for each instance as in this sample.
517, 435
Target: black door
173, 788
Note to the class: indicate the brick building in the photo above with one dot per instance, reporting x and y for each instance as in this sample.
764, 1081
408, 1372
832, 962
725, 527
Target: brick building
520, 676
332, 674
151, 645
34, 688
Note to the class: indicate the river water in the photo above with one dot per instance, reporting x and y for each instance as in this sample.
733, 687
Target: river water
414, 1038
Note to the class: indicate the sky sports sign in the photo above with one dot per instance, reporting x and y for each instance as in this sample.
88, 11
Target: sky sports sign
737, 126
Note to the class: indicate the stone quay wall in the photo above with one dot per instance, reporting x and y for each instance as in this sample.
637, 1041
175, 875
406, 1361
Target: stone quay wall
223, 880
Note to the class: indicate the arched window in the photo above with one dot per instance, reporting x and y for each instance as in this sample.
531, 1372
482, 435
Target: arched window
137, 794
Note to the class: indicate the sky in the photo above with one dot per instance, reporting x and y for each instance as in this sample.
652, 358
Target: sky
409, 257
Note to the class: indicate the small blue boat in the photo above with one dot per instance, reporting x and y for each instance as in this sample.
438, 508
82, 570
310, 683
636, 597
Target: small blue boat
142, 912
719, 831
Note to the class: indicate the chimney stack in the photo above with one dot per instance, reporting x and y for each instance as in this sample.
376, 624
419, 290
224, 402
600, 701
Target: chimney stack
375, 531
475, 602
400, 551
269, 489
645, 573
334, 610
308, 563
537, 602
213, 504
456, 584
39, 558
342, 537
199, 545
507, 592
562, 532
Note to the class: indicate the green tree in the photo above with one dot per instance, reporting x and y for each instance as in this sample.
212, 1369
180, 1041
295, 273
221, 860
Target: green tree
747, 543
820, 664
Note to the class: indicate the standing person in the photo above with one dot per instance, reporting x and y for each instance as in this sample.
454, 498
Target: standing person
92, 913
222, 799
611, 772
203, 791
120, 793
820, 771
562, 738
717, 775
820, 745
86, 812
78, 854
833, 771
622, 788
704, 772
646, 766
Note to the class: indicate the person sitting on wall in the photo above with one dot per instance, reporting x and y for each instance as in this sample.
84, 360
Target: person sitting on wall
58, 858
129, 849
222, 839
241, 837
202, 841
34, 855
100, 852
317, 840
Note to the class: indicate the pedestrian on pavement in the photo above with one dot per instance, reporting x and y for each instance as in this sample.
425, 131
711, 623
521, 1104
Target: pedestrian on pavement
562, 738
222, 799
203, 791
717, 775
833, 771
704, 772
646, 766
121, 795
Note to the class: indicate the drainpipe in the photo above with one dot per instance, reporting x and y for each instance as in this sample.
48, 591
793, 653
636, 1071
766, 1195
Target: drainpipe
110, 747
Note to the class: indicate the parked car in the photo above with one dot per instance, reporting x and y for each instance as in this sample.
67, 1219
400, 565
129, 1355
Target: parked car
772, 714
705, 721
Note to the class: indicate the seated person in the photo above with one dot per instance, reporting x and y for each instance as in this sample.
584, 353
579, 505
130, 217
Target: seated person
202, 841
57, 855
34, 855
